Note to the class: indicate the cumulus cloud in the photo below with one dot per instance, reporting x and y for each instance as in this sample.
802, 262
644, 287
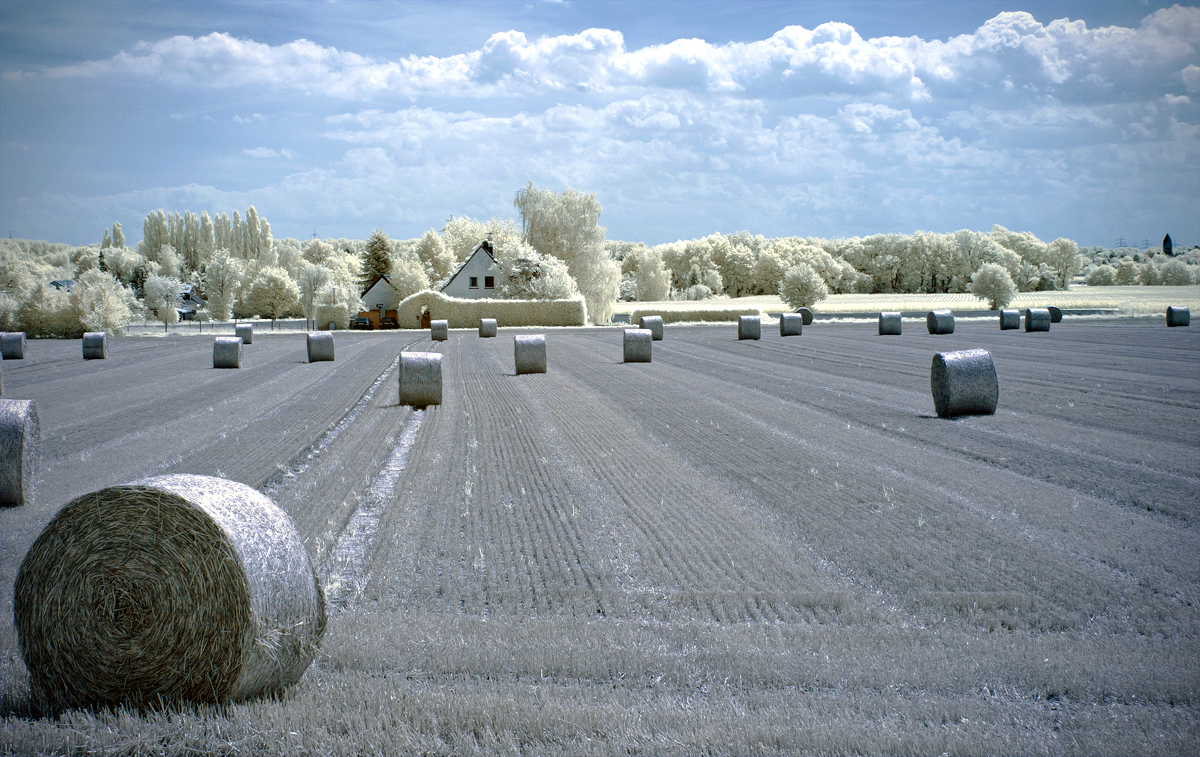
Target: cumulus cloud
267, 152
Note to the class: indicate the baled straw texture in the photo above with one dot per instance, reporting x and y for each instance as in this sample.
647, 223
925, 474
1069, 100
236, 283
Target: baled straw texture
12, 345
178, 587
1178, 316
806, 316
20, 436
420, 379
227, 352
245, 331
890, 324
749, 327
1055, 314
939, 322
636, 345
791, 324
529, 353
1037, 319
320, 346
654, 324
439, 331
95, 345
964, 383
487, 327
1010, 319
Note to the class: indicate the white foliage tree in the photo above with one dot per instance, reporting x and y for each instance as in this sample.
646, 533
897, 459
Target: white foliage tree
313, 279
526, 274
652, 281
408, 275
222, 284
162, 296
439, 261
993, 283
802, 287
103, 304
272, 293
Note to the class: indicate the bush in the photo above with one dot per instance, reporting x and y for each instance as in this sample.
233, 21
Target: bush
993, 283
1127, 272
802, 287
1175, 273
1102, 276
101, 302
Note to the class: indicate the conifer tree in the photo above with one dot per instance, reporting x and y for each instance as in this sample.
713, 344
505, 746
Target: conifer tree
377, 258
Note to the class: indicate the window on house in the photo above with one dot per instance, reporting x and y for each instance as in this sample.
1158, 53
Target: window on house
474, 282
489, 282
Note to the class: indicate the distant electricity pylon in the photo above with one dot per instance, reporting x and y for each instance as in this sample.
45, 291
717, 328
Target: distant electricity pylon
314, 234
1120, 241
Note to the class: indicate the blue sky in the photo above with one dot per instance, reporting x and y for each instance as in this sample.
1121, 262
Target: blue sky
1075, 119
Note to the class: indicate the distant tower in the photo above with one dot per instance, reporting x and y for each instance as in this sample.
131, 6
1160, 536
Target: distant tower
1167, 246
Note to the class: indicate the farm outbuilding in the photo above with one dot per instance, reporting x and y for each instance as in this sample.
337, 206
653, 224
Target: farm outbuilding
476, 277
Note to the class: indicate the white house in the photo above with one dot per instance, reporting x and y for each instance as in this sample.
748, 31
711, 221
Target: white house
475, 278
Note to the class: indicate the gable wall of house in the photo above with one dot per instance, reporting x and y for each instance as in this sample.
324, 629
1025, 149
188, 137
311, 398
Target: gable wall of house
479, 267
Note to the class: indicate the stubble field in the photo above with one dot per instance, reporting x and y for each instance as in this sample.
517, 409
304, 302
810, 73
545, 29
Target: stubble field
743, 547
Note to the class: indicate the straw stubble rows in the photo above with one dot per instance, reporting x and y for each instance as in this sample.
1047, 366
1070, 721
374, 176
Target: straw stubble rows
767, 545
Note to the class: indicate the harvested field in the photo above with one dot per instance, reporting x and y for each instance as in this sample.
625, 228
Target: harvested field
767, 546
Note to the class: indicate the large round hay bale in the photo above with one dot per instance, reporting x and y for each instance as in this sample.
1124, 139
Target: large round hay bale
487, 327
12, 345
939, 322
806, 316
95, 345
1037, 319
20, 436
178, 587
1010, 319
227, 352
420, 379
1178, 316
529, 352
964, 383
749, 327
1055, 314
791, 324
320, 346
889, 324
439, 331
653, 323
246, 332
636, 345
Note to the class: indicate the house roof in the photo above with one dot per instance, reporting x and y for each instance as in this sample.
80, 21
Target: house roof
486, 246
374, 281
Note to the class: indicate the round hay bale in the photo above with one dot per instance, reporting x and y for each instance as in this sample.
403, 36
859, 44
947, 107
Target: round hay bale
439, 331
178, 587
806, 316
750, 327
12, 345
320, 346
95, 345
637, 344
246, 332
653, 323
1010, 319
939, 322
20, 436
889, 324
529, 351
1180, 316
420, 379
487, 327
964, 383
1037, 319
790, 324
227, 352
1055, 314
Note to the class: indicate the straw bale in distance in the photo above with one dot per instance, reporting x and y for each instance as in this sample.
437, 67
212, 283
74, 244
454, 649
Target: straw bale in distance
12, 345
636, 345
320, 346
964, 383
227, 352
939, 322
1010, 319
95, 345
806, 315
439, 331
529, 353
182, 587
654, 324
1055, 314
1037, 319
20, 436
420, 379
245, 331
890, 324
749, 327
791, 324
487, 327
1178, 316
